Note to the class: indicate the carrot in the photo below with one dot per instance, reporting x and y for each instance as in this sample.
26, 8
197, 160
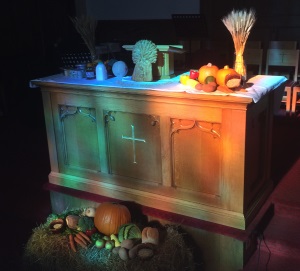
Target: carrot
79, 242
81, 238
85, 236
72, 243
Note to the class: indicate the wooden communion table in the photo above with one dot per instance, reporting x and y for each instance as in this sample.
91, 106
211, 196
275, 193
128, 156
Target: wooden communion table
162, 145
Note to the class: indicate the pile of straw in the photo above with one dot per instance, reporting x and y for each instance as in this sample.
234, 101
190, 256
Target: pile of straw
45, 251
239, 23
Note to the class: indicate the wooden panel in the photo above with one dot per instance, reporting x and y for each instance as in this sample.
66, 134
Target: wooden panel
256, 157
288, 45
77, 137
49, 122
233, 159
134, 146
253, 57
283, 57
197, 156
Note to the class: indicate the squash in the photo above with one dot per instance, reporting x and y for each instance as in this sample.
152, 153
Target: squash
183, 78
193, 84
207, 71
129, 231
110, 216
228, 77
150, 235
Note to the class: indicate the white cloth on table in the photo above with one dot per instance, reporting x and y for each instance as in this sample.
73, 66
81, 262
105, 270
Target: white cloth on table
171, 85
261, 85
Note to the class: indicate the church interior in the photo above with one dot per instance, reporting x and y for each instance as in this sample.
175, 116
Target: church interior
36, 35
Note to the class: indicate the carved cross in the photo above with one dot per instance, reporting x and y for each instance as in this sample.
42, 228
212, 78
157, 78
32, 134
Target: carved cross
134, 139
282, 56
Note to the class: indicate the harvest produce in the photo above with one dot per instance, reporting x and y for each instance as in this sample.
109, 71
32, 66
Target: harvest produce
129, 231
115, 239
194, 84
80, 239
110, 216
211, 78
207, 71
72, 249
150, 235
228, 77
85, 223
209, 87
100, 243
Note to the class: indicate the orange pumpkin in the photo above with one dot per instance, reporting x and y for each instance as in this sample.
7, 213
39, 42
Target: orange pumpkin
206, 71
228, 77
110, 216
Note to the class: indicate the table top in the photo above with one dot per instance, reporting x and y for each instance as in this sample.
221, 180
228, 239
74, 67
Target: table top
262, 84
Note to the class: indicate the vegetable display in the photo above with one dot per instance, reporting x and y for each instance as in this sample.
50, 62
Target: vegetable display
47, 251
110, 216
211, 78
129, 231
228, 77
110, 228
85, 223
207, 71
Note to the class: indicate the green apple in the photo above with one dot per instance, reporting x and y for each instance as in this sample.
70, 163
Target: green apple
100, 243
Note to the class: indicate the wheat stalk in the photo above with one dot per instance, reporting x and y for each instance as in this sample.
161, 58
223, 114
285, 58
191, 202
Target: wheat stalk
239, 23
86, 27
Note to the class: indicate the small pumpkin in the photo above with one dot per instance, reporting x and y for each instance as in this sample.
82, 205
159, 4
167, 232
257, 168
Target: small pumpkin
228, 77
207, 71
110, 216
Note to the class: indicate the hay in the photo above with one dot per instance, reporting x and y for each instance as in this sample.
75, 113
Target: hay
50, 252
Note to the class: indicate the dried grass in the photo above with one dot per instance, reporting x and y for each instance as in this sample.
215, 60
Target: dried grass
86, 27
50, 252
239, 23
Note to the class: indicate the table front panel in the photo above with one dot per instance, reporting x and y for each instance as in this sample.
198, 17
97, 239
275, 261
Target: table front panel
134, 146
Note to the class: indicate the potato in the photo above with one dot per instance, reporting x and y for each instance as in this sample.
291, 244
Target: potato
123, 253
209, 87
133, 252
